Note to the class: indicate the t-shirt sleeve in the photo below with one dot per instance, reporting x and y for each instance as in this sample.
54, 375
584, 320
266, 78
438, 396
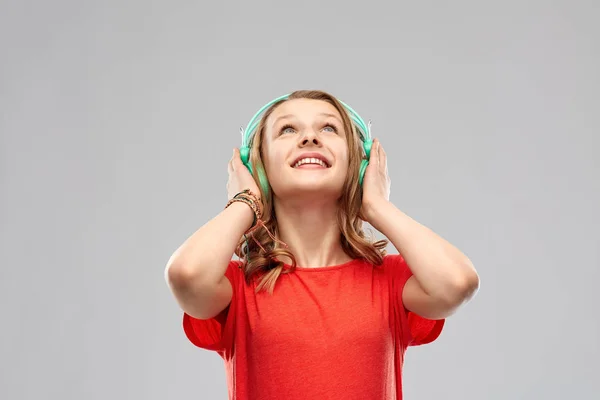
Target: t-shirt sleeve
416, 330
217, 333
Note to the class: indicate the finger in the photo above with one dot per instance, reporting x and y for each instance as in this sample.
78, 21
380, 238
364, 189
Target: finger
382, 158
375, 152
237, 159
373, 155
230, 164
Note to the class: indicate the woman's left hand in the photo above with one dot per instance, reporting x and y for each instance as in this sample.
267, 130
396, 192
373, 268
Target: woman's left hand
376, 183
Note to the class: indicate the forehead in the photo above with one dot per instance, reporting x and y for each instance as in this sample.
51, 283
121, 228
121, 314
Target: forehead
302, 109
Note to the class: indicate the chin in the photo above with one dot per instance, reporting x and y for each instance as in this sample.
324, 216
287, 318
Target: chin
287, 184
320, 190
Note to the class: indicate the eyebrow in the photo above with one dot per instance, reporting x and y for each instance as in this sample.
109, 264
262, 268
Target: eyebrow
322, 114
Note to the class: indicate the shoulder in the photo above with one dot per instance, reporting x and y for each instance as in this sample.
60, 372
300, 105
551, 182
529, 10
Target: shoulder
395, 265
235, 269
393, 259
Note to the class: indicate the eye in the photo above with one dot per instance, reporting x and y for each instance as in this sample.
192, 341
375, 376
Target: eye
331, 127
289, 128
286, 129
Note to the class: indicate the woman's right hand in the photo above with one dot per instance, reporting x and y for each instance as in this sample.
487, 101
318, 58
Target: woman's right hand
240, 177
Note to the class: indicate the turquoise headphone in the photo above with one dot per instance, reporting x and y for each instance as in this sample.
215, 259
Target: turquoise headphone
364, 131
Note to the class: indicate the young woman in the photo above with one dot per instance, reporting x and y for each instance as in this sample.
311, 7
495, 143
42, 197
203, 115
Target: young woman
313, 309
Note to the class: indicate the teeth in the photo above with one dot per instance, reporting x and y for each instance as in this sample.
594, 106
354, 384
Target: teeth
310, 161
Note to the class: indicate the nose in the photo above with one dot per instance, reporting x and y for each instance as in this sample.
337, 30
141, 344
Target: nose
309, 138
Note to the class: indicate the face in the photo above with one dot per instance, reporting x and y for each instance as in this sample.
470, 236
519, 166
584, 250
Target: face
305, 149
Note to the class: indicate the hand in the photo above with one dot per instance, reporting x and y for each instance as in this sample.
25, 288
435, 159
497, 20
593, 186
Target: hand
239, 177
376, 183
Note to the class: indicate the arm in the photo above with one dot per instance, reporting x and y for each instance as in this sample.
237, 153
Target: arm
195, 272
443, 277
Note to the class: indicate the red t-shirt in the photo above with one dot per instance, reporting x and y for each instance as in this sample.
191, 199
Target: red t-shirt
337, 332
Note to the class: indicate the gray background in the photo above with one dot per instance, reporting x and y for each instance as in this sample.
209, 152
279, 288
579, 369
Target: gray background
118, 119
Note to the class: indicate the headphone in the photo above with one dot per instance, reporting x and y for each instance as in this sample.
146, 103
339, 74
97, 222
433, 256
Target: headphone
364, 131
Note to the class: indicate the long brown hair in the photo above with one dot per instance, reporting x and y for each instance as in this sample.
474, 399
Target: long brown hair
261, 261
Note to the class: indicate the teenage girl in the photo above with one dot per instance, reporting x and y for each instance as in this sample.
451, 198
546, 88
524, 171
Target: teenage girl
313, 309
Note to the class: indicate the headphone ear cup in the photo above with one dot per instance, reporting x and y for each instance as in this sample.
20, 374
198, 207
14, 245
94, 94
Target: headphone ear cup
245, 156
361, 173
367, 144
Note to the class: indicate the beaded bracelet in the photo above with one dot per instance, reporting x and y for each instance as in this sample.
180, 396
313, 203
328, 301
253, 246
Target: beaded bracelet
255, 200
247, 197
250, 199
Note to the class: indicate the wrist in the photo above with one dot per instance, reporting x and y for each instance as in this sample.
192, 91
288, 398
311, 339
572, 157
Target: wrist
374, 209
245, 213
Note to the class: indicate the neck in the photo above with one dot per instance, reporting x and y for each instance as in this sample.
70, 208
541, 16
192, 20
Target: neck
311, 232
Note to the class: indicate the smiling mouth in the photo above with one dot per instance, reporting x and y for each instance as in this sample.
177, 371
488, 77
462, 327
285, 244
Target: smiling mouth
310, 162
